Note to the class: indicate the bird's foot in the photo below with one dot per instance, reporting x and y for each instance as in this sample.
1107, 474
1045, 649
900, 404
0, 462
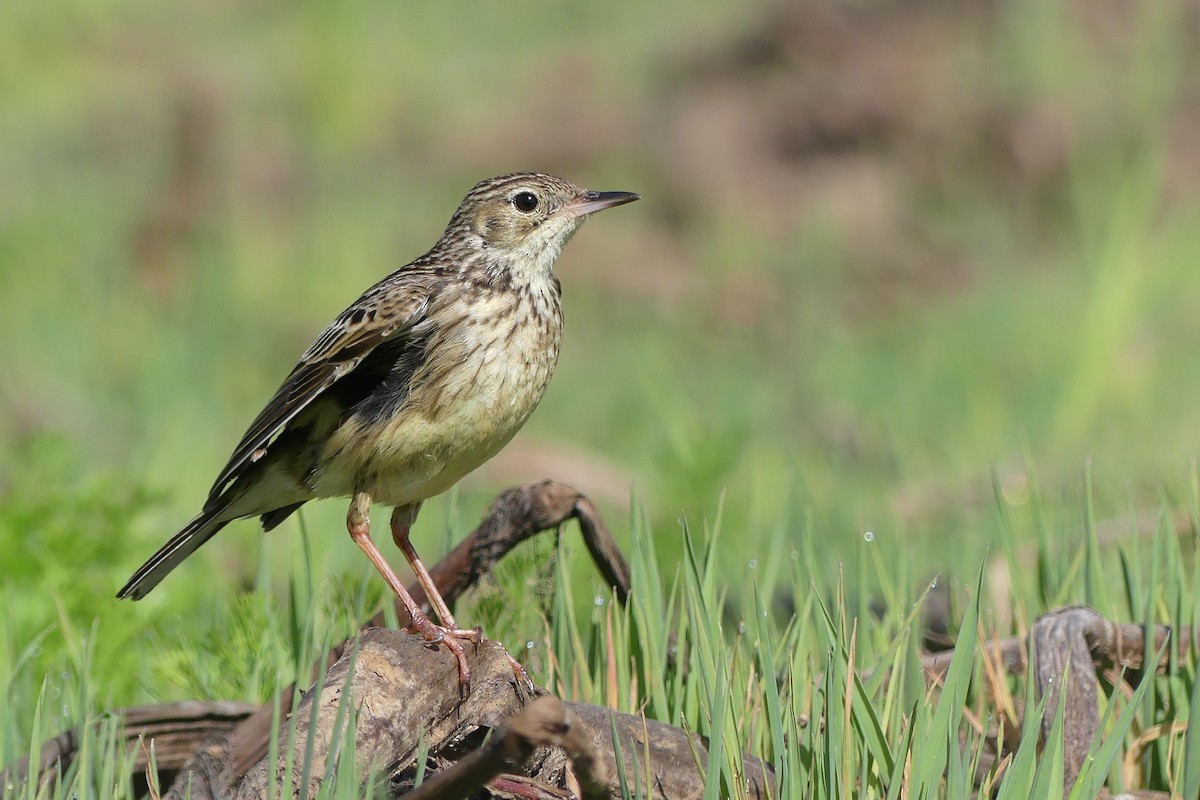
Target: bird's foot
519, 672
451, 639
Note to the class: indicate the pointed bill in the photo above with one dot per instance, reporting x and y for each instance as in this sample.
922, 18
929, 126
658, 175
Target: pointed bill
590, 202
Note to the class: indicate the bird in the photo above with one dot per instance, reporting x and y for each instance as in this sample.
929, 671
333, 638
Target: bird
418, 382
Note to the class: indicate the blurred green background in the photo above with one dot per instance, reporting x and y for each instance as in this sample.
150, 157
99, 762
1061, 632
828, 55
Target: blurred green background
891, 256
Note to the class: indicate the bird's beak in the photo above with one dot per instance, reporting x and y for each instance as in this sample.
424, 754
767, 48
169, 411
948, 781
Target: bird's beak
590, 202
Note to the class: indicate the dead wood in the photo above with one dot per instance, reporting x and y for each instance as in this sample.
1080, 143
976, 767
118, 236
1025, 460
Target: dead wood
1064, 671
395, 693
514, 516
545, 722
176, 730
1067, 645
1111, 644
1070, 646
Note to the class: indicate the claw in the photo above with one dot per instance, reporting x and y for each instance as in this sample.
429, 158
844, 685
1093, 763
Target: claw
449, 638
519, 672
433, 638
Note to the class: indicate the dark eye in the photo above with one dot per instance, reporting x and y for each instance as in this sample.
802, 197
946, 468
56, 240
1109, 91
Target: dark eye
525, 201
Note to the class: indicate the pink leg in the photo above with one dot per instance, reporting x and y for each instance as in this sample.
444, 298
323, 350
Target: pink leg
358, 522
402, 520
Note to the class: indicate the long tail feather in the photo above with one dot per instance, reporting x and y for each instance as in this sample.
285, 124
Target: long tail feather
169, 556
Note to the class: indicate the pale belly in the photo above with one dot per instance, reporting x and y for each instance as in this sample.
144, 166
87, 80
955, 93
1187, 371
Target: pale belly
449, 427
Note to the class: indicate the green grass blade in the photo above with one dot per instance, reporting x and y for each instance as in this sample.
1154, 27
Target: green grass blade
1096, 768
946, 717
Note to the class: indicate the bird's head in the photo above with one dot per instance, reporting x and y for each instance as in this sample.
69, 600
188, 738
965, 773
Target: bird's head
521, 221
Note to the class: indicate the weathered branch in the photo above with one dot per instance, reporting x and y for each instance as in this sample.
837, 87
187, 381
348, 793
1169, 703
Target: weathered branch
393, 694
1067, 645
177, 730
1111, 644
544, 723
515, 515
398, 694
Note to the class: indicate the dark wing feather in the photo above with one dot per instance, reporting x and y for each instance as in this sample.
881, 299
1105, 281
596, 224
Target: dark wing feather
385, 312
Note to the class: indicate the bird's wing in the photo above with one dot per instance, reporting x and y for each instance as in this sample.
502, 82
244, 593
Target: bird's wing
385, 312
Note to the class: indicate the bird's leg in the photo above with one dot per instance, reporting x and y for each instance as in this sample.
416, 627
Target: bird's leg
402, 519
358, 522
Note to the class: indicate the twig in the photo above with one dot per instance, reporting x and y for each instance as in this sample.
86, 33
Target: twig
543, 723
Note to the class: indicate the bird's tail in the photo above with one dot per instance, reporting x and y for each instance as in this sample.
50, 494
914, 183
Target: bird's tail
168, 557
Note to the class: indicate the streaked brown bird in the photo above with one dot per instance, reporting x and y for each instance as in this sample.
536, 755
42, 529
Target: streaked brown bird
417, 383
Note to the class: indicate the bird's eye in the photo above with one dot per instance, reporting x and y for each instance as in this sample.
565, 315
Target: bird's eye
525, 201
